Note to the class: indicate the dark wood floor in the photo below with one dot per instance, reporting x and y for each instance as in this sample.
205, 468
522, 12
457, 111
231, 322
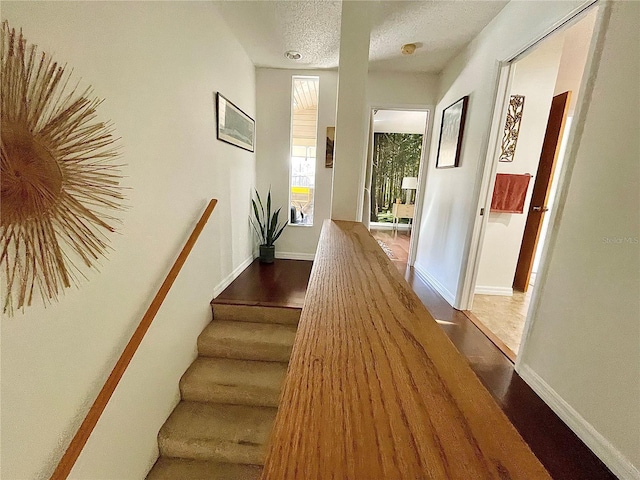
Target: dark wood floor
279, 284
558, 448
397, 242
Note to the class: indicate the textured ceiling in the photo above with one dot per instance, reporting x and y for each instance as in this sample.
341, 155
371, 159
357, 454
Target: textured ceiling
267, 29
439, 28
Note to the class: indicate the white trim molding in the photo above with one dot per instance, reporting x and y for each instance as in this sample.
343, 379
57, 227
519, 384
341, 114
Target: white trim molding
226, 281
501, 291
441, 289
603, 449
295, 256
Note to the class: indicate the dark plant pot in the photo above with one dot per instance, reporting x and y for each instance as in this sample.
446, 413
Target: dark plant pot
267, 253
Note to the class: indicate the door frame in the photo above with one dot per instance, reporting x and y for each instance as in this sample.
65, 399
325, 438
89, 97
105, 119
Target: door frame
486, 182
504, 74
422, 170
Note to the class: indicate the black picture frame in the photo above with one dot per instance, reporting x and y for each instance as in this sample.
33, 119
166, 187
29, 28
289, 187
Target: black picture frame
233, 125
451, 134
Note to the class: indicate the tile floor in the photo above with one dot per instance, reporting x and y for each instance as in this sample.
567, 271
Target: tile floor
504, 316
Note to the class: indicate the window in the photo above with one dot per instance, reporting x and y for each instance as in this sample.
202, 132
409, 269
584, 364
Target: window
302, 171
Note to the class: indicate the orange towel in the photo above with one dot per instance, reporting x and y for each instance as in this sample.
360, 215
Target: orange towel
509, 193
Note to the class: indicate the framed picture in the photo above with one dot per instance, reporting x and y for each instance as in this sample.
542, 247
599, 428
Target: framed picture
331, 133
234, 126
451, 131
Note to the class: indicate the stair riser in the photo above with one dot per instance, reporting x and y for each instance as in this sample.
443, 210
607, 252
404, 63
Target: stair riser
200, 449
231, 394
251, 313
243, 351
181, 469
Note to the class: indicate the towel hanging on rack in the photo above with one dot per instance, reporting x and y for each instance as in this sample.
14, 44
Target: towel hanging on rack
510, 192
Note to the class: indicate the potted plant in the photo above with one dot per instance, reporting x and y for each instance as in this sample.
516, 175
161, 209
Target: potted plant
267, 227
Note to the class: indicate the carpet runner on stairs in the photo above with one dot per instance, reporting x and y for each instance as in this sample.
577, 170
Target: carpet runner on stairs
229, 396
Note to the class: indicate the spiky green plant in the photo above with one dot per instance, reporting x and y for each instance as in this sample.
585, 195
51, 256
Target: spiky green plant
266, 224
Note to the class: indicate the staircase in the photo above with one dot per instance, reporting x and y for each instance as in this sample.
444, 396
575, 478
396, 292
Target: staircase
230, 395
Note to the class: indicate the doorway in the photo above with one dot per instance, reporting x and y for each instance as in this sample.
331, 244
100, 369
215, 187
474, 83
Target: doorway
395, 160
541, 97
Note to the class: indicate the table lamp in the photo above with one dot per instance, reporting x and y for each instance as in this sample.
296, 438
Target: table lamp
409, 183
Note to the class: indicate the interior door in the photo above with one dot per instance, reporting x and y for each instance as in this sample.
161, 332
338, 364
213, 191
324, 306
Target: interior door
541, 188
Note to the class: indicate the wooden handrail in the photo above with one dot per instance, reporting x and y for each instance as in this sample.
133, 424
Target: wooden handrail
78, 442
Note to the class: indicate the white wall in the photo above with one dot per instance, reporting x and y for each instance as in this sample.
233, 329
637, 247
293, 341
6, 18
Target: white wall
574, 57
273, 136
400, 121
535, 78
352, 117
157, 65
583, 356
451, 195
534, 74
582, 352
273, 126
398, 89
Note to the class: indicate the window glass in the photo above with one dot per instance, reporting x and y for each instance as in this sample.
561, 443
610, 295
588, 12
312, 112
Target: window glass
304, 125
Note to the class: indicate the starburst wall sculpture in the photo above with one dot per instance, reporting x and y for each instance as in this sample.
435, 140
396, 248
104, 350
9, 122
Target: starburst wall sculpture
59, 180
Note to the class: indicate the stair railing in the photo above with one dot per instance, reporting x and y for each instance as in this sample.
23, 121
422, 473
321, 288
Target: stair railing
78, 442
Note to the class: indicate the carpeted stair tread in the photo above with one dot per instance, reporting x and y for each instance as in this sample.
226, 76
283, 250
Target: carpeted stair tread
184, 469
218, 432
247, 341
240, 382
255, 313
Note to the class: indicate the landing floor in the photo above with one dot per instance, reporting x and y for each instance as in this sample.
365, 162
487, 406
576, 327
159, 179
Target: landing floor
280, 284
556, 446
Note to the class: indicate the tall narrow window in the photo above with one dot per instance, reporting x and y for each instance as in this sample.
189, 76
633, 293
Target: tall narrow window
304, 125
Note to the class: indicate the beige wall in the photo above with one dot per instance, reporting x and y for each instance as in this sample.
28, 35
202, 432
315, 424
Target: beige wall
397, 89
555, 67
575, 50
583, 351
535, 78
451, 202
273, 131
157, 65
583, 347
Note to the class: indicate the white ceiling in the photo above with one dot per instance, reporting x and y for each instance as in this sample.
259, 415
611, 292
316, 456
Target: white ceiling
399, 121
267, 29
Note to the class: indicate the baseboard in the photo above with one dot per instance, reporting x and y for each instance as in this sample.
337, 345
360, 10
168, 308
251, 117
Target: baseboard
295, 256
233, 275
441, 289
502, 291
603, 449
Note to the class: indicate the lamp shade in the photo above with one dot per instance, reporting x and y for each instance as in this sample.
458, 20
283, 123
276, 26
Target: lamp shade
410, 183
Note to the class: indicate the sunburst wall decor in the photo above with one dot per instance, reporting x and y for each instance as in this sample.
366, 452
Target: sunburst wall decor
59, 182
